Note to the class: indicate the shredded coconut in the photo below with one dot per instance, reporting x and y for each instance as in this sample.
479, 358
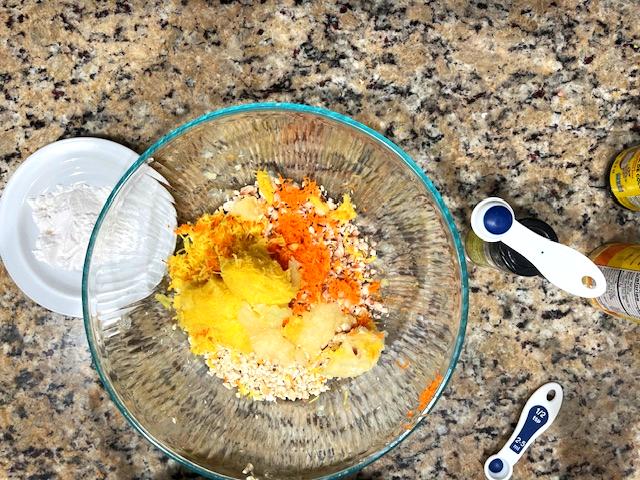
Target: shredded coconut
65, 218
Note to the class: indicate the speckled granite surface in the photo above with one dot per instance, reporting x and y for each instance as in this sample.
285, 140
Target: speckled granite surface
528, 100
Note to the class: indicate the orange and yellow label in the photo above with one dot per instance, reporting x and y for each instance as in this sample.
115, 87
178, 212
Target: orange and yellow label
624, 178
618, 255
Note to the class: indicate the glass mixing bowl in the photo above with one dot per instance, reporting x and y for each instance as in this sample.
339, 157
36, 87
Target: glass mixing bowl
145, 362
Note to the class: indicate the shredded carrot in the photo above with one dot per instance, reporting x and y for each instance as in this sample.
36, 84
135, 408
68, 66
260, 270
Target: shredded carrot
374, 287
295, 196
344, 288
304, 233
427, 394
298, 307
302, 241
365, 320
404, 364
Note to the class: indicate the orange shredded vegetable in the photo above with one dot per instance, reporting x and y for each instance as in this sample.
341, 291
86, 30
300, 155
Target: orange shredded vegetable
374, 287
430, 390
303, 237
345, 288
365, 320
404, 364
294, 196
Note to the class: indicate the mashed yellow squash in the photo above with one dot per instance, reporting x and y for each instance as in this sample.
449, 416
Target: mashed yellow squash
209, 311
257, 278
209, 314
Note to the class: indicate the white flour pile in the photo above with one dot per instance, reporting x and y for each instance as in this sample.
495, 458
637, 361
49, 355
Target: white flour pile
65, 218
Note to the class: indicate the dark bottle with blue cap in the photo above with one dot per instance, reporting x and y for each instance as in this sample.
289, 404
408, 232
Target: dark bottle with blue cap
497, 254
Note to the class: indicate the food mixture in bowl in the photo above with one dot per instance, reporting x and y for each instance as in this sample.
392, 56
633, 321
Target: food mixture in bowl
276, 290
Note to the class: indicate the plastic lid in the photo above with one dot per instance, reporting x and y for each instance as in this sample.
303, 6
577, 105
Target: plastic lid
515, 262
498, 219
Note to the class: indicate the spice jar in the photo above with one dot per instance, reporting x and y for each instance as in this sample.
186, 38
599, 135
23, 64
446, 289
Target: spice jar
624, 178
620, 263
498, 255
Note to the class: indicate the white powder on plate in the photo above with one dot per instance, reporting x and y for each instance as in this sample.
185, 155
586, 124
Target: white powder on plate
65, 218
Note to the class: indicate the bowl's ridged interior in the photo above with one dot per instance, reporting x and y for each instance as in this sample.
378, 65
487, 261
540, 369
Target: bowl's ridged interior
166, 389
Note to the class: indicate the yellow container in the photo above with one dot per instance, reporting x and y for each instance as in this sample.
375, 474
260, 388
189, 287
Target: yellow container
620, 263
624, 178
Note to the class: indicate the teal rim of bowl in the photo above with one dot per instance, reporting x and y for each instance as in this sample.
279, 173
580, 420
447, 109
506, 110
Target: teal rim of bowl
290, 107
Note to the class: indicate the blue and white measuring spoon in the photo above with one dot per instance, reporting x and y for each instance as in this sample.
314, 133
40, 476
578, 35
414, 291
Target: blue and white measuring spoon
493, 221
537, 415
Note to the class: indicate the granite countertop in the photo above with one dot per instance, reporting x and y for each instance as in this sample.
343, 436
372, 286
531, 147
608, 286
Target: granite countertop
529, 102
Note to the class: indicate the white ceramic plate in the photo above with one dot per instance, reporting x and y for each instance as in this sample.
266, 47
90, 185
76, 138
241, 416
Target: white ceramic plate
93, 161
